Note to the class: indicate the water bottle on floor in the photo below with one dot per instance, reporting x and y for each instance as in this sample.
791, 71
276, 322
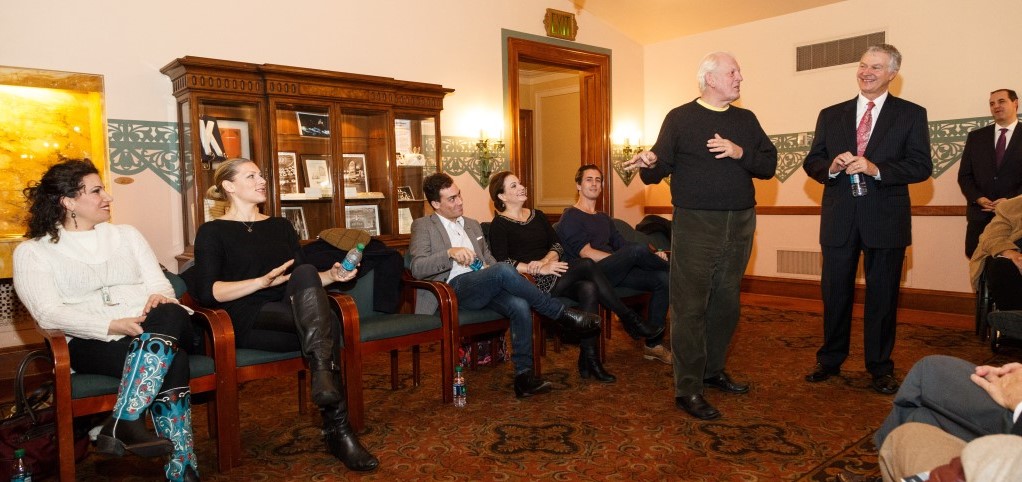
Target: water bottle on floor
460, 393
20, 471
353, 257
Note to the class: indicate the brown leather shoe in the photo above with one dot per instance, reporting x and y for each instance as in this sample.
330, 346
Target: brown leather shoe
821, 373
697, 406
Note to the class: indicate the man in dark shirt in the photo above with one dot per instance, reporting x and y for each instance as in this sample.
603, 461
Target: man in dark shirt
588, 233
712, 150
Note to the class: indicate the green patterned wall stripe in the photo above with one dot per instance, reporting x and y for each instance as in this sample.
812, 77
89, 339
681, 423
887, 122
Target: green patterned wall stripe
137, 145
947, 140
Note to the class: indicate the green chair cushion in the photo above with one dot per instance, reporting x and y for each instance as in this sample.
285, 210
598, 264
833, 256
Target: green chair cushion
84, 385
472, 317
384, 326
247, 356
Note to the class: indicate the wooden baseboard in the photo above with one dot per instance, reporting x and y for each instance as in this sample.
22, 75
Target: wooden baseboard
911, 298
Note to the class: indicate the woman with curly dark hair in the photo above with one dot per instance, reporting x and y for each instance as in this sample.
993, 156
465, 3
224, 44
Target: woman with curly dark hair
101, 284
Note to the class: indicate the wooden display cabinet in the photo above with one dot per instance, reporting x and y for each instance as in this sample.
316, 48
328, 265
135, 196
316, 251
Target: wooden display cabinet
337, 149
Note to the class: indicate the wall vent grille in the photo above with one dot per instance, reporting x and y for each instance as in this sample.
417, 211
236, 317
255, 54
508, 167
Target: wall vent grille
835, 52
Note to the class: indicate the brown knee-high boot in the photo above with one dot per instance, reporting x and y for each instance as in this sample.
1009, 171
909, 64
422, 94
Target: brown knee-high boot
315, 324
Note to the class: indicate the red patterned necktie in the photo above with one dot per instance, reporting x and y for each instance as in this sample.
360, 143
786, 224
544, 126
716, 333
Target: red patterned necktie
862, 133
1002, 142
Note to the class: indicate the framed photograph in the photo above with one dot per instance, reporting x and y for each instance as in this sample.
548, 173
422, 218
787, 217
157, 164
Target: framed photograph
296, 215
287, 165
317, 172
404, 193
356, 180
313, 125
234, 134
363, 216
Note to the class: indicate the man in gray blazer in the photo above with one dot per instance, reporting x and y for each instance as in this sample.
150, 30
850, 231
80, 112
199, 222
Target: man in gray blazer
960, 398
447, 246
866, 151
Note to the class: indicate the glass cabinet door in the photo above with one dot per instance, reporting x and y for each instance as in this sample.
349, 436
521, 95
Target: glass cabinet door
305, 174
417, 154
365, 171
225, 130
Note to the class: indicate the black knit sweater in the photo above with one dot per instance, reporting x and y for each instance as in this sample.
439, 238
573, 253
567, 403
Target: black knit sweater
700, 181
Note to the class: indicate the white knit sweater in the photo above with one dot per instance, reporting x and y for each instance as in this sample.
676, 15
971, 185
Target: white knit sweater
61, 283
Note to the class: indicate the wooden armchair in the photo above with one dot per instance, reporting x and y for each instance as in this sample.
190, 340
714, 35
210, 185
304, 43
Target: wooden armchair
367, 331
244, 365
79, 394
467, 324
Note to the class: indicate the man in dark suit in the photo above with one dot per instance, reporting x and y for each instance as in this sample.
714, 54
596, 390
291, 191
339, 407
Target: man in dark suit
877, 144
991, 168
447, 246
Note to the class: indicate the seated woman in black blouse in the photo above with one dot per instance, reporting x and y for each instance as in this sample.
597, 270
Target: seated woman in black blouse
524, 238
250, 265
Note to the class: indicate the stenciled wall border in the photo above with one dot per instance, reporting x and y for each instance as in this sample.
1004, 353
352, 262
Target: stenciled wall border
136, 146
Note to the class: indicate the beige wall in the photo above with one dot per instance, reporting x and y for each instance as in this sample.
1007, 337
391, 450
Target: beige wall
949, 67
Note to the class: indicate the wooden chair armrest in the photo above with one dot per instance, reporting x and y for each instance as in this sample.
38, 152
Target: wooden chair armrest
442, 291
57, 343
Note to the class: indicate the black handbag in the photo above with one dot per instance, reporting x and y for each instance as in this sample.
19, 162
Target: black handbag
33, 426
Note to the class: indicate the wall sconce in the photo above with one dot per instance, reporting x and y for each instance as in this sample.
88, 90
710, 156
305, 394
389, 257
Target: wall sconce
487, 156
626, 154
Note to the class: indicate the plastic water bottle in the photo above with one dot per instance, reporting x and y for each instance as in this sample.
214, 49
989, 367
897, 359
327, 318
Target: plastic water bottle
353, 258
460, 392
476, 265
858, 185
21, 472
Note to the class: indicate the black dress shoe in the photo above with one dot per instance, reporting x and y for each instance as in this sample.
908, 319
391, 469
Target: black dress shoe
697, 406
578, 321
527, 385
638, 328
724, 383
821, 373
885, 384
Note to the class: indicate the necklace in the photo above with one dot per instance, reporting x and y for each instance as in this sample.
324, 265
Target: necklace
105, 290
248, 225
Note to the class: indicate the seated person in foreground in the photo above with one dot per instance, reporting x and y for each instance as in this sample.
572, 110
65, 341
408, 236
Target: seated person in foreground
588, 233
446, 246
916, 448
999, 247
101, 284
250, 265
964, 400
523, 238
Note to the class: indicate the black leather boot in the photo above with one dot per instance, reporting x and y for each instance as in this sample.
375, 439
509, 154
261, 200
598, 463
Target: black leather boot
578, 321
589, 362
342, 442
638, 328
315, 324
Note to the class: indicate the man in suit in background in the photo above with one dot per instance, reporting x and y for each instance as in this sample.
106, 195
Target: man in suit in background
991, 168
882, 143
447, 246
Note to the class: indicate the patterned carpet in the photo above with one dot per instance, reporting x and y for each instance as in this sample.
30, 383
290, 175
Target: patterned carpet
784, 429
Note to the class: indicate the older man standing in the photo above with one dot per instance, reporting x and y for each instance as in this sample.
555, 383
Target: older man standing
712, 150
866, 152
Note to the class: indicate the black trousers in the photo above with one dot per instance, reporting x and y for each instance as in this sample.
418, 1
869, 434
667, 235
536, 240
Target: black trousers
274, 327
883, 276
1004, 282
107, 357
